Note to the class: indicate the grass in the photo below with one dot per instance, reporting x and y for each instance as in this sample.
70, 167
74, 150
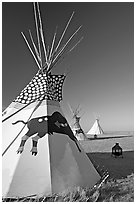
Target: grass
119, 190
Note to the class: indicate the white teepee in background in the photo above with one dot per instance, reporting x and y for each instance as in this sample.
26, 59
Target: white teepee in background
54, 161
96, 129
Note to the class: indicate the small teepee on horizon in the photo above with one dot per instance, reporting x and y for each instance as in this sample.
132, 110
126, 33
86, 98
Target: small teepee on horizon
51, 160
96, 129
77, 130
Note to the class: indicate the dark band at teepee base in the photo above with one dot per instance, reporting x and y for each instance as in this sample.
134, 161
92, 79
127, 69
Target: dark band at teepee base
54, 161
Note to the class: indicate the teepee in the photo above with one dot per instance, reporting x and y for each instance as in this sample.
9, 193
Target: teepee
77, 130
51, 160
96, 128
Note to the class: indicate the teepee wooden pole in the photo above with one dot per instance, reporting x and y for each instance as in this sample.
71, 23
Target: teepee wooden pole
41, 32
30, 50
54, 63
36, 51
67, 43
76, 44
53, 41
58, 60
64, 32
61, 58
37, 33
44, 48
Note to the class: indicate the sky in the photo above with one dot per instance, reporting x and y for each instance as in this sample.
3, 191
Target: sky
100, 69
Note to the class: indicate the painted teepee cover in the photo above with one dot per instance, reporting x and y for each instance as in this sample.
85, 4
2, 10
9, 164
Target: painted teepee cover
41, 155
96, 129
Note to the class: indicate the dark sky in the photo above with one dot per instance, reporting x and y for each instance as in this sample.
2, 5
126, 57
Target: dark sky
101, 67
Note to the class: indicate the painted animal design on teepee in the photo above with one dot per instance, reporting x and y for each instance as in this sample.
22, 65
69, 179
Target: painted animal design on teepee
43, 125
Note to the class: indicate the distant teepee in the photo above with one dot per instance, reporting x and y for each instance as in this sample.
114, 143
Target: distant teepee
77, 130
96, 129
41, 155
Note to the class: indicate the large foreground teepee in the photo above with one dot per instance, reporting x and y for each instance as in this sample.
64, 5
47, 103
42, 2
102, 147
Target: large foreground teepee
51, 160
96, 128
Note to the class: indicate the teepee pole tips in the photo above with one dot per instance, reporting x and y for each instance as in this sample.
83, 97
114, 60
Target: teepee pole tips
30, 49
35, 48
66, 27
38, 39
